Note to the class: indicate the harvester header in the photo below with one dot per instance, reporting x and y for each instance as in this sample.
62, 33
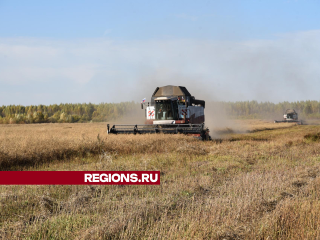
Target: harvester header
172, 110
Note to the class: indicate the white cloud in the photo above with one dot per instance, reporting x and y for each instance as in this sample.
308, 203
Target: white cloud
103, 70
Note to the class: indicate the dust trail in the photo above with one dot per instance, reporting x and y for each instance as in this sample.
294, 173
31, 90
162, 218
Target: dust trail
218, 121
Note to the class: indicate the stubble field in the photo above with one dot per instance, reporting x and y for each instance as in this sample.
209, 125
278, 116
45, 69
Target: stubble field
257, 180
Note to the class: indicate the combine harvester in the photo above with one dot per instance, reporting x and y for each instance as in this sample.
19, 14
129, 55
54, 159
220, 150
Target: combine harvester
290, 116
172, 110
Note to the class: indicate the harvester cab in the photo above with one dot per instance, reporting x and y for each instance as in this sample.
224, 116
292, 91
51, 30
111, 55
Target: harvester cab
164, 111
172, 110
290, 115
174, 105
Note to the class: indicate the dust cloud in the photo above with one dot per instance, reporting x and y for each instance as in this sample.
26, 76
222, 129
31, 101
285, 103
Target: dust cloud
281, 69
136, 116
217, 120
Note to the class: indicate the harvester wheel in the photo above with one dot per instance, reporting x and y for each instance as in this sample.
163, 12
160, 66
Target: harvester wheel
205, 135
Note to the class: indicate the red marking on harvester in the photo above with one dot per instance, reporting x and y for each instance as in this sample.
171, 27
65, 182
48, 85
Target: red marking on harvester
151, 113
184, 111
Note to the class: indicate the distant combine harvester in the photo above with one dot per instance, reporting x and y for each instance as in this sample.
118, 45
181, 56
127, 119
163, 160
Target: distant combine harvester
290, 116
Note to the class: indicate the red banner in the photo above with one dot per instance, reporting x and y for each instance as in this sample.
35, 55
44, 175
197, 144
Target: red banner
79, 177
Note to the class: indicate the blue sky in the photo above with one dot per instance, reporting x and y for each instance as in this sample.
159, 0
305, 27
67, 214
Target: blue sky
142, 20
85, 51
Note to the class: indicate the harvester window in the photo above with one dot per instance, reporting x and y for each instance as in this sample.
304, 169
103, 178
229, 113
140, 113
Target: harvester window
164, 110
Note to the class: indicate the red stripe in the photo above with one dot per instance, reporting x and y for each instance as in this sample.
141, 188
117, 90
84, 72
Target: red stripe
72, 177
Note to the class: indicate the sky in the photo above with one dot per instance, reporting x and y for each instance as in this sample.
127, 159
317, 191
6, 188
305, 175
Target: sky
113, 51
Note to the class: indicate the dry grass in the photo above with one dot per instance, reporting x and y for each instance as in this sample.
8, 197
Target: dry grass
30, 145
258, 185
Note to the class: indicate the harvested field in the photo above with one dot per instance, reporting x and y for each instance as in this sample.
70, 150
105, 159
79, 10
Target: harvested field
255, 185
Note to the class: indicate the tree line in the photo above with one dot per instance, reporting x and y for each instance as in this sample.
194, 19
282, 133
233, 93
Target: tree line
66, 113
253, 109
104, 112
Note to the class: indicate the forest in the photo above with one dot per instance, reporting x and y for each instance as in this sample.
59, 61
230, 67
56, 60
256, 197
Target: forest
104, 112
